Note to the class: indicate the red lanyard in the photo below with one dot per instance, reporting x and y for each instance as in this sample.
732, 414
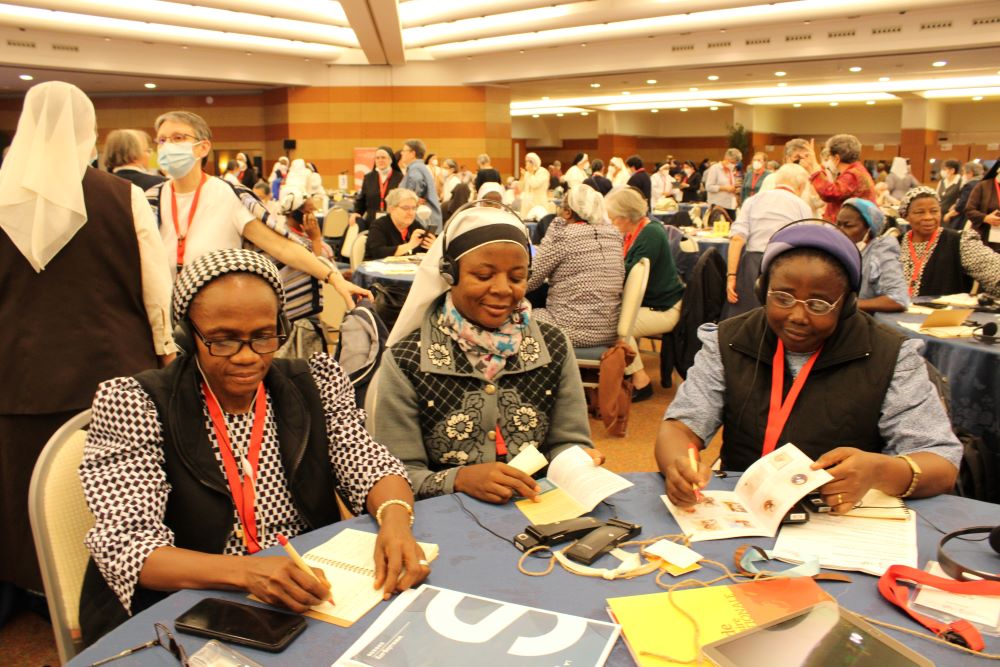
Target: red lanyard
501, 443
383, 187
778, 415
959, 632
754, 179
630, 238
182, 238
918, 262
241, 491
729, 173
996, 184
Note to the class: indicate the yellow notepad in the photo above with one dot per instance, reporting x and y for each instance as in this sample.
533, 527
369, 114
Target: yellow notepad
348, 561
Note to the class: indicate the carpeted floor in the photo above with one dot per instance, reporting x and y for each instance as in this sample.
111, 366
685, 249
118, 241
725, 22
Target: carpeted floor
26, 641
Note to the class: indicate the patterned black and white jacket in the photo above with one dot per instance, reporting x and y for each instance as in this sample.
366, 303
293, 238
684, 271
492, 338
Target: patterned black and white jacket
427, 386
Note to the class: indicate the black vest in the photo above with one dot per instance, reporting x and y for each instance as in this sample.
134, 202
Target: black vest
944, 273
200, 507
839, 405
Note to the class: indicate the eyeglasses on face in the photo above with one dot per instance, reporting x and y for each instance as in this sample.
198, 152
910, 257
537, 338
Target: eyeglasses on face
164, 638
229, 347
176, 138
814, 306
407, 209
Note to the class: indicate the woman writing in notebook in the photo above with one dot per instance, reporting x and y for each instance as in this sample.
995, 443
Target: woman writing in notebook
811, 369
472, 372
190, 468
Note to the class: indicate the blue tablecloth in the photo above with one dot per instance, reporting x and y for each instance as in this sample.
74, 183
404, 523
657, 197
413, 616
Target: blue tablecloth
366, 274
476, 562
720, 243
973, 372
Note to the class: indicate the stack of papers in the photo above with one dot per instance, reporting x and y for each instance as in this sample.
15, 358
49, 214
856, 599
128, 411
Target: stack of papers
946, 323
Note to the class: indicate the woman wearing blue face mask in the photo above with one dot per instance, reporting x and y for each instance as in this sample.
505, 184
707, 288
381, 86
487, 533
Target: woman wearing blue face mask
199, 213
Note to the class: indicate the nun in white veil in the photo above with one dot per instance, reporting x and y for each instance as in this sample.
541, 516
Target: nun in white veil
472, 372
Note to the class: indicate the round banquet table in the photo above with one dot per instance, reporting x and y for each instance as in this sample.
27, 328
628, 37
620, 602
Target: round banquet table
473, 561
720, 243
973, 372
399, 274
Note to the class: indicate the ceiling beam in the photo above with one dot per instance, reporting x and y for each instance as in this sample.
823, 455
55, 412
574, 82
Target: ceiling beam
359, 14
386, 16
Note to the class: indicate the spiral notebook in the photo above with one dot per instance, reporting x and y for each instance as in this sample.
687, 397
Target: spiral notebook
348, 560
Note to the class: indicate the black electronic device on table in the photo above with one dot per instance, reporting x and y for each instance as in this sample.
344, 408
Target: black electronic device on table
238, 623
602, 540
797, 514
548, 534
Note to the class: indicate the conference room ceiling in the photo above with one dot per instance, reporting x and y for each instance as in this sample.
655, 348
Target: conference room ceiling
539, 48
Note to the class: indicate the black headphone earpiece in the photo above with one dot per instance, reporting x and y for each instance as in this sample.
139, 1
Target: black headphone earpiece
448, 267
987, 334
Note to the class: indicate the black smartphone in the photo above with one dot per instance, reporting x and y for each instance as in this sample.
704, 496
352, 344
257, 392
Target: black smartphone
238, 623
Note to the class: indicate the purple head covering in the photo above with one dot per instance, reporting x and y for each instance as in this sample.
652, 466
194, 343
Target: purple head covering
823, 237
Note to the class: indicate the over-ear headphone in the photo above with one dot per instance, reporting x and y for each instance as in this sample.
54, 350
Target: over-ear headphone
986, 333
448, 266
850, 303
956, 570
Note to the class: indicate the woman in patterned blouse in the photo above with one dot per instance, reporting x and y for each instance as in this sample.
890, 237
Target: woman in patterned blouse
939, 261
472, 372
162, 463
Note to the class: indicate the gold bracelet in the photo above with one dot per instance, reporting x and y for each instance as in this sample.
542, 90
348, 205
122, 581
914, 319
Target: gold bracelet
393, 501
328, 276
916, 475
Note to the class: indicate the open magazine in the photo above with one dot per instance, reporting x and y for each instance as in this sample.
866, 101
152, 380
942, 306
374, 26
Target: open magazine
764, 494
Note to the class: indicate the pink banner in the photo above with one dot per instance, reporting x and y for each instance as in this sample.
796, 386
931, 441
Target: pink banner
364, 158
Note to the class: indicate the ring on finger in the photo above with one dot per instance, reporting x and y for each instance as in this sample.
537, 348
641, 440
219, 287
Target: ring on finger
425, 563
840, 498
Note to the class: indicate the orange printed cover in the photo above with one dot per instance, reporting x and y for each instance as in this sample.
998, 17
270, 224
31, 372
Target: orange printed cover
650, 623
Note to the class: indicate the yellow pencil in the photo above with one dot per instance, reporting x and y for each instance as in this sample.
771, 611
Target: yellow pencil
693, 458
297, 559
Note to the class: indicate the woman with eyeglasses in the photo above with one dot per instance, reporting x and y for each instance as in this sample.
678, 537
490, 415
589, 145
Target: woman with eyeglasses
809, 368
399, 232
199, 213
189, 469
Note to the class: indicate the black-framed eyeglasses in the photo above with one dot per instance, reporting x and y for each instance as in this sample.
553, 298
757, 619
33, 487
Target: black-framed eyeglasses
228, 347
814, 306
164, 638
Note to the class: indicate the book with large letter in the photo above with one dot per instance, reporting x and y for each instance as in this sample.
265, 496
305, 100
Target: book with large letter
431, 627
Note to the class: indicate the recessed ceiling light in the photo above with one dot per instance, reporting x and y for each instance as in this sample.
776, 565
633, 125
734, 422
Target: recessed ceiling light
713, 108
683, 108
797, 105
545, 97
834, 104
107, 39
854, 69
977, 98
534, 115
780, 73
625, 92
150, 85
654, 111
26, 77
521, 51
693, 90
782, 84
595, 85
560, 115
870, 103
939, 63
584, 45
184, 47
584, 113
651, 82
713, 77
883, 79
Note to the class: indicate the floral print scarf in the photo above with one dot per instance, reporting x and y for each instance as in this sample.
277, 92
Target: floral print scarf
486, 350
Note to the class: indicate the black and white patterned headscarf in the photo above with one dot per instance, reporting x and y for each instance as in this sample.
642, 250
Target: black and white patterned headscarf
914, 193
216, 264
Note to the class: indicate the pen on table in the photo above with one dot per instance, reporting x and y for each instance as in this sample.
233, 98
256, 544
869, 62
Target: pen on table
693, 458
297, 559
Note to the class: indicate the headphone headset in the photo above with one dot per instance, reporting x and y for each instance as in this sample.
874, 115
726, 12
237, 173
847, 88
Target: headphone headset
956, 570
850, 303
448, 267
986, 333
